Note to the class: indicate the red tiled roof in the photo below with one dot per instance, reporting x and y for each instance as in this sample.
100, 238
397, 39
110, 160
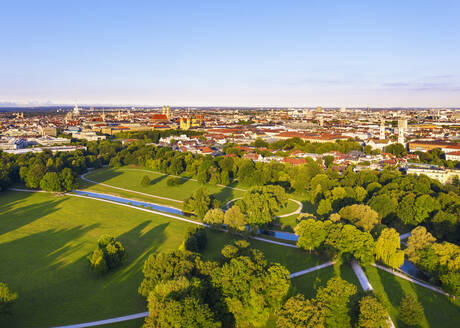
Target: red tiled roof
206, 150
294, 161
159, 117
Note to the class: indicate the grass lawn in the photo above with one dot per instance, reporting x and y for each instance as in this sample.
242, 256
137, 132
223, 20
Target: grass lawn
44, 241
130, 178
293, 259
440, 311
308, 283
288, 223
290, 207
127, 194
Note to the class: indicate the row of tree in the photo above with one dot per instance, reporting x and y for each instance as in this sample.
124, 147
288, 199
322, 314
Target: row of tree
441, 261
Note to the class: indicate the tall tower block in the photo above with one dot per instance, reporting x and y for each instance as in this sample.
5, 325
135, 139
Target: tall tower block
382, 129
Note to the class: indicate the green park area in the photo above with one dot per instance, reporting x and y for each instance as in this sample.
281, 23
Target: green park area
44, 242
440, 310
130, 179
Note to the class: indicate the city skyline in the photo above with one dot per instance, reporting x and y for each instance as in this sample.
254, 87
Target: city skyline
289, 54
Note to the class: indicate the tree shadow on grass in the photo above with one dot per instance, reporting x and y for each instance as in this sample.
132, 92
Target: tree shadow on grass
394, 291
308, 207
224, 195
38, 266
104, 174
139, 242
158, 179
440, 310
14, 216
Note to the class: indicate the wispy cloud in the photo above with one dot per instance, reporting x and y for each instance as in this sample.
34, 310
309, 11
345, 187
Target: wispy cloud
423, 86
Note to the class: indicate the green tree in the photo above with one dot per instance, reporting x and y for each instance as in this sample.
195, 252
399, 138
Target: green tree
328, 160
51, 182
424, 206
311, 234
235, 219
261, 203
418, 240
214, 216
145, 181
200, 202
252, 290
333, 300
396, 149
411, 311
178, 303
97, 262
109, 255
372, 313
361, 215
383, 204
166, 266
299, 312
68, 179
324, 207
387, 248
7, 298
33, 175
406, 210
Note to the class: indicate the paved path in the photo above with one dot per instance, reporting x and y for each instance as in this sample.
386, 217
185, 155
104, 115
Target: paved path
366, 285
318, 267
274, 242
404, 236
415, 281
363, 281
83, 176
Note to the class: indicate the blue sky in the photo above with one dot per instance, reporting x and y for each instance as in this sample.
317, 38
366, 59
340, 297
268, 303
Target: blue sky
242, 53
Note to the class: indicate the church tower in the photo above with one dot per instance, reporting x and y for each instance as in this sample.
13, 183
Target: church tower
382, 129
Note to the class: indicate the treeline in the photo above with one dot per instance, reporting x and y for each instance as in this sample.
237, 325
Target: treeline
291, 144
54, 172
155, 135
401, 201
441, 261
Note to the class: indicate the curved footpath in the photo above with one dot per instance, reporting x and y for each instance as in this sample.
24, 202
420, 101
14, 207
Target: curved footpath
297, 211
83, 177
362, 278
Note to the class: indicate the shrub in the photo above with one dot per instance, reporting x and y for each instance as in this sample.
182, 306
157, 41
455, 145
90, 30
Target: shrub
173, 181
7, 298
109, 255
196, 239
145, 181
